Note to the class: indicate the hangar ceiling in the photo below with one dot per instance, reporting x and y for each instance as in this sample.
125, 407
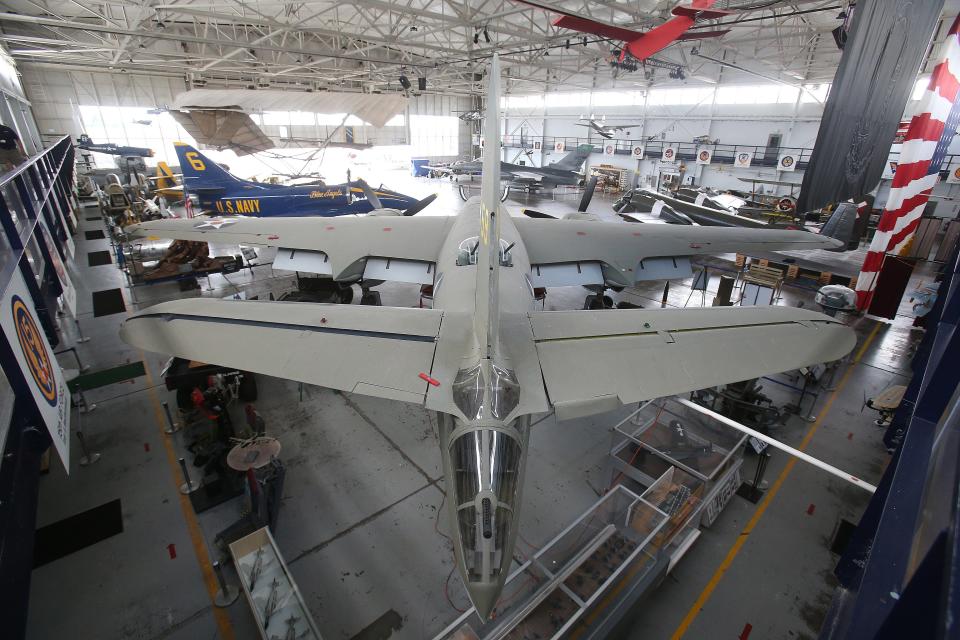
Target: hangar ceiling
368, 44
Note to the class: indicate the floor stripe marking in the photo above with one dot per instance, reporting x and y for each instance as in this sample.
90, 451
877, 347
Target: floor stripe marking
224, 625
774, 489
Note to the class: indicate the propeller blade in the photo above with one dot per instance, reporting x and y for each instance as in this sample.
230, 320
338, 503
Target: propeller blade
587, 194
463, 192
371, 196
533, 213
420, 205
506, 192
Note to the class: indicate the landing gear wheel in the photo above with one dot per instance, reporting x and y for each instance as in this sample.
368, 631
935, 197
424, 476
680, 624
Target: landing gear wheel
346, 295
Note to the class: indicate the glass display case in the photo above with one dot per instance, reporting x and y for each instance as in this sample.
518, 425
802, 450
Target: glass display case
664, 435
582, 581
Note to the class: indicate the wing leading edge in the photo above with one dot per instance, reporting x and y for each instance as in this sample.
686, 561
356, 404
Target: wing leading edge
634, 355
376, 351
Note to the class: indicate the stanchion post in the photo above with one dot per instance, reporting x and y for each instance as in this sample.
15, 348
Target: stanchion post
188, 486
81, 337
172, 427
87, 458
227, 594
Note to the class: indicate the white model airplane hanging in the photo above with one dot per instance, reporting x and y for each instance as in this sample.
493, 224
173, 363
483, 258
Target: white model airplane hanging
484, 358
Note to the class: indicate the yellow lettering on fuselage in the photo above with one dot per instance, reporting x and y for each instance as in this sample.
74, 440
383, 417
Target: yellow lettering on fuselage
238, 206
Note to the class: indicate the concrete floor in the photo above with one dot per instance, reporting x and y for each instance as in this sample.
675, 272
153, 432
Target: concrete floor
359, 526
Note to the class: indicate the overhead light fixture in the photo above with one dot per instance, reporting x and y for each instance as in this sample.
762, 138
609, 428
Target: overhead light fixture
567, 45
405, 82
584, 40
421, 83
486, 36
476, 37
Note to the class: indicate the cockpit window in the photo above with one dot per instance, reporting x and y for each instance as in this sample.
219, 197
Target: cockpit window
467, 252
486, 465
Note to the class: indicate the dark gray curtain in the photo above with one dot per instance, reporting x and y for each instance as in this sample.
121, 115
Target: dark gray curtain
876, 76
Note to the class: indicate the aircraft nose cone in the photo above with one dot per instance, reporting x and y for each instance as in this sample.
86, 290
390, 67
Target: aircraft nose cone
484, 598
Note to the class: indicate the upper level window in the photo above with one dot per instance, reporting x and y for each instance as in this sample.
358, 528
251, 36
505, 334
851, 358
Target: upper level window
467, 252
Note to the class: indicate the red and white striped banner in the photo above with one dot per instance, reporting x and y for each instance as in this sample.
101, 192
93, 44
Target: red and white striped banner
921, 157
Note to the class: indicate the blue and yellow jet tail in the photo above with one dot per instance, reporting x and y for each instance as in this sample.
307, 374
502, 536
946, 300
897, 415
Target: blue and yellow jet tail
200, 172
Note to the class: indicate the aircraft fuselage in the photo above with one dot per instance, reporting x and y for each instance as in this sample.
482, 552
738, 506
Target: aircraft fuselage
484, 450
310, 200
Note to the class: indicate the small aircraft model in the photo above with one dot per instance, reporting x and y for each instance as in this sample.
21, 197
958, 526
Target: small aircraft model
605, 130
220, 192
566, 170
485, 359
641, 45
84, 142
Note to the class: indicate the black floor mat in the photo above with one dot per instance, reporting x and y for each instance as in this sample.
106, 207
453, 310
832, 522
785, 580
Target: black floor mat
93, 218
108, 302
62, 538
94, 235
98, 258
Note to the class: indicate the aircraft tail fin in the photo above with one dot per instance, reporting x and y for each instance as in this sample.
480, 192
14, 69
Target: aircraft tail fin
487, 318
573, 160
165, 177
842, 225
200, 172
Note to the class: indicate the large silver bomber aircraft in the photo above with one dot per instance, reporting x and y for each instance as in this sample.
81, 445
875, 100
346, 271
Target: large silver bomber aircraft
484, 358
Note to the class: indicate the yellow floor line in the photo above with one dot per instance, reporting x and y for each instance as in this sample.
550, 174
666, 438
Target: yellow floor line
771, 494
224, 625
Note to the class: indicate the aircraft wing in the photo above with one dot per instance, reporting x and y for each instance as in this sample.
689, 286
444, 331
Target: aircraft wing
631, 355
622, 247
346, 240
526, 176
377, 351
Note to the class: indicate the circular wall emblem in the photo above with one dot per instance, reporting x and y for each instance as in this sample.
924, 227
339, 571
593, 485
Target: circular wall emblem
787, 161
215, 223
743, 157
609, 149
956, 172
34, 350
704, 155
668, 153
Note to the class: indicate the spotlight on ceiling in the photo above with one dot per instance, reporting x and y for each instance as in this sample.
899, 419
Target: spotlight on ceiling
486, 36
476, 37
405, 82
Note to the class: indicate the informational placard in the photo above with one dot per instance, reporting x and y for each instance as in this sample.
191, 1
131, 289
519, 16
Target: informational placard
537, 145
559, 146
787, 162
669, 153
39, 368
609, 149
636, 151
69, 293
953, 174
742, 159
704, 156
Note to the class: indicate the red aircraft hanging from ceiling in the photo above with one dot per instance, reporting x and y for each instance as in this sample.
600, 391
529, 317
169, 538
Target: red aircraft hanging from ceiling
642, 45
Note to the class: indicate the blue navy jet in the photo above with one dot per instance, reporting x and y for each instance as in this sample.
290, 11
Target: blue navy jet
84, 142
220, 192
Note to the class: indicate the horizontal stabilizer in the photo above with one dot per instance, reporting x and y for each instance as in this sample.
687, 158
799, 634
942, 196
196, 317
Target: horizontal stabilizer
377, 351
703, 35
625, 356
689, 11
